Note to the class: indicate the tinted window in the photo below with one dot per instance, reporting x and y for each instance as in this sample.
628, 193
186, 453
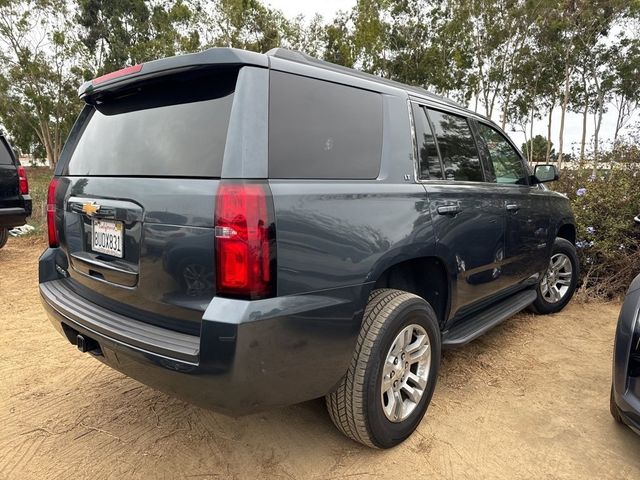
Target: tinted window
430, 166
175, 128
5, 156
457, 147
506, 162
319, 129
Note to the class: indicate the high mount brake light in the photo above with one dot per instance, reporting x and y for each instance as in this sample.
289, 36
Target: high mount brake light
117, 74
244, 231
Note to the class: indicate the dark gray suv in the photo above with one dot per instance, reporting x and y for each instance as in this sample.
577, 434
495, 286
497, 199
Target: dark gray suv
249, 231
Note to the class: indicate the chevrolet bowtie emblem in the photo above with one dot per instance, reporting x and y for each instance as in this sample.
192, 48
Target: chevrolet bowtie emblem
90, 208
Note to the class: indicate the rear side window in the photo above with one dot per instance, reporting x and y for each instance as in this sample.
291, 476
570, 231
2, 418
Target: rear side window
177, 127
457, 147
320, 130
5, 155
507, 164
429, 160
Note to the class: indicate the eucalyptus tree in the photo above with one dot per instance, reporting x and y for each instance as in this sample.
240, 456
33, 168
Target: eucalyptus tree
625, 76
40, 70
306, 35
119, 33
537, 148
583, 26
339, 47
246, 24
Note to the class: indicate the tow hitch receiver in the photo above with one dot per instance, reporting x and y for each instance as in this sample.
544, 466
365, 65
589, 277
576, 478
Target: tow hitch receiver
82, 344
86, 344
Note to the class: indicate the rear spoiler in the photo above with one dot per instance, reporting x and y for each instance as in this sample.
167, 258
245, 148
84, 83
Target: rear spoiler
92, 90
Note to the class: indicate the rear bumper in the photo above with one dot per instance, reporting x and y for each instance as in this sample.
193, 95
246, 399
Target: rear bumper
15, 216
248, 357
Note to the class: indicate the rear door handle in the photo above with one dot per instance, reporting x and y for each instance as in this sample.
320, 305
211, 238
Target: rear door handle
512, 207
452, 209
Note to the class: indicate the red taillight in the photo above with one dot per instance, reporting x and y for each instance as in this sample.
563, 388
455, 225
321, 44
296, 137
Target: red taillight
22, 178
244, 232
118, 73
51, 213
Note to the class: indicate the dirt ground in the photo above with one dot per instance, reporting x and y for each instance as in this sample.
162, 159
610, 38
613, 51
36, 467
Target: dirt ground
528, 400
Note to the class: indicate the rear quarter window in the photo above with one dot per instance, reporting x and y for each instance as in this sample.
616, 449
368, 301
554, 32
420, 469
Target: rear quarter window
323, 130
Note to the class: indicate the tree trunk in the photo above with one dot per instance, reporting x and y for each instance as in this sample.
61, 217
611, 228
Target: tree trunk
530, 152
548, 154
504, 110
596, 134
48, 144
583, 141
585, 114
563, 110
619, 121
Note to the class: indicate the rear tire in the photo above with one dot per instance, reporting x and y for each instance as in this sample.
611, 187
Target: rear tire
4, 236
557, 286
399, 338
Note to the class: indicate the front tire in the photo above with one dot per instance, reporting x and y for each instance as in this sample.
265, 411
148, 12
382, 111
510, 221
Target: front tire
559, 282
393, 372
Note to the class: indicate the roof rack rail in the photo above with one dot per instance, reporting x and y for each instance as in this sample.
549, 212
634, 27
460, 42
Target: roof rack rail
300, 57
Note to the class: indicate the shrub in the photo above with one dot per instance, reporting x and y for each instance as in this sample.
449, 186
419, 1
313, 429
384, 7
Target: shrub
39, 178
607, 237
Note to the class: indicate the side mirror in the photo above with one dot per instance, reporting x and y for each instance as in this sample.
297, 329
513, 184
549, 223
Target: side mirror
545, 173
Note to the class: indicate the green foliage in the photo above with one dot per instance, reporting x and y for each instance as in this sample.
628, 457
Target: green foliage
39, 178
537, 147
608, 239
123, 32
246, 24
520, 56
39, 74
339, 45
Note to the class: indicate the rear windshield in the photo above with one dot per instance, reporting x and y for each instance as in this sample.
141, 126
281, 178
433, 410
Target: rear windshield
177, 127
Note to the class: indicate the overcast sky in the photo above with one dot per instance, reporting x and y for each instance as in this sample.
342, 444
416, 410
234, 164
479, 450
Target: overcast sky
573, 123
326, 8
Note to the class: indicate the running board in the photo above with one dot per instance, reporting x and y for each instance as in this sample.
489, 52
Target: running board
472, 327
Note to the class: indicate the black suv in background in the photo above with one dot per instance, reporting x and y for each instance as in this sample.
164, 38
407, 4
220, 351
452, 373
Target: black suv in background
15, 202
249, 231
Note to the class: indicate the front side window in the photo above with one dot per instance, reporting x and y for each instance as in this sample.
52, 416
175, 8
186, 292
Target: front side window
457, 147
506, 162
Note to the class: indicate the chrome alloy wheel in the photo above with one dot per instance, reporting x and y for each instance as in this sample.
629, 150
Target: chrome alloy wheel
557, 280
405, 373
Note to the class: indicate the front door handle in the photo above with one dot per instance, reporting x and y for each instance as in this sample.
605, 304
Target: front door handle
512, 207
452, 209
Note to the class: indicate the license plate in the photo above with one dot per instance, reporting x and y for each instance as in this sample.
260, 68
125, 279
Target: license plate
106, 237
